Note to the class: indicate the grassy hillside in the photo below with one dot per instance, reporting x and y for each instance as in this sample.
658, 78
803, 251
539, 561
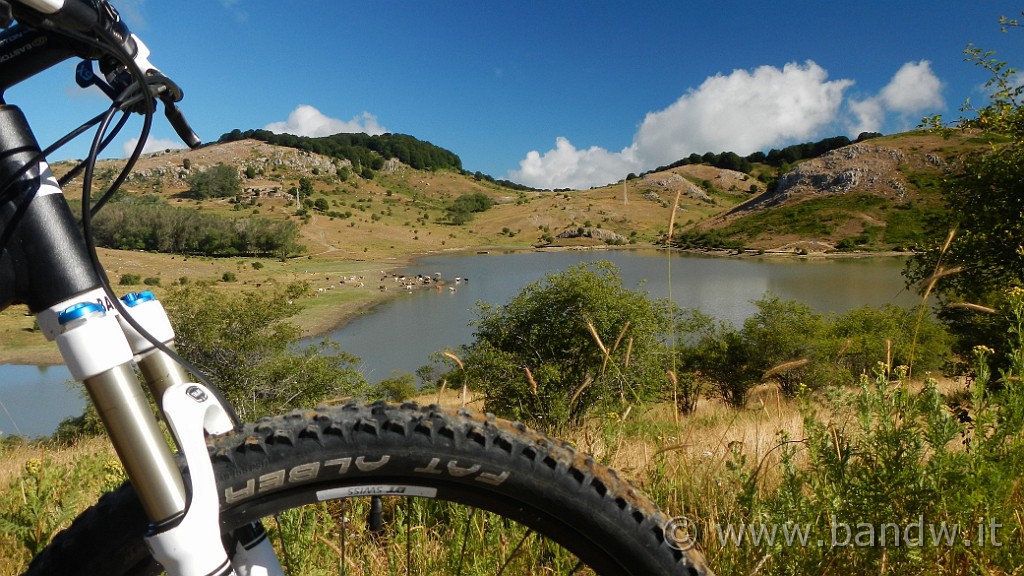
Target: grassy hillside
401, 210
877, 195
871, 196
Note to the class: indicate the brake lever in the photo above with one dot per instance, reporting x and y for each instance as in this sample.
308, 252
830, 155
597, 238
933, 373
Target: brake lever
168, 93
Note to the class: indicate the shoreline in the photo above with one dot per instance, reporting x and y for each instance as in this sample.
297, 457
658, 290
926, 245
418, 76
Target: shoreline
319, 320
349, 313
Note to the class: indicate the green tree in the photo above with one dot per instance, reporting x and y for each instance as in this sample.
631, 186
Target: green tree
977, 250
398, 388
245, 344
866, 336
465, 206
787, 342
218, 181
566, 344
305, 187
783, 341
700, 342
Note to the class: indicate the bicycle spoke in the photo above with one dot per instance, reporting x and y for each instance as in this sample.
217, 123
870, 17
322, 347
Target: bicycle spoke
408, 537
515, 551
342, 530
284, 544
465, 538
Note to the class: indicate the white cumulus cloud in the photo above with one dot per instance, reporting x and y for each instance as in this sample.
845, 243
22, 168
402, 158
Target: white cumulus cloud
568, 167
306, 120
741, 112
914, 89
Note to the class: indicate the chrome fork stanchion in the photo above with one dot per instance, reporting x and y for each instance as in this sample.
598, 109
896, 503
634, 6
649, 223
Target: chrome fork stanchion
97, 353
99, 349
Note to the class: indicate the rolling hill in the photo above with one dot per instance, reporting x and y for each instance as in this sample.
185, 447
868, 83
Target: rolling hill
870, 195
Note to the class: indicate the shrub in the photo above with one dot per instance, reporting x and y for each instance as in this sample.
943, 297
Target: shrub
788, 343
220, 181
129, 279
245, 344
397, 389
567, 344
464, 207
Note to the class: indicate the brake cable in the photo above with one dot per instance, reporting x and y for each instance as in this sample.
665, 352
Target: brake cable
87, 212
134, 94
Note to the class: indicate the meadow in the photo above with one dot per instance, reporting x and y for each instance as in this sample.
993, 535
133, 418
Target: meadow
852, 480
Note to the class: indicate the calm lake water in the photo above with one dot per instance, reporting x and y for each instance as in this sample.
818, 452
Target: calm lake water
34, 399
399, 335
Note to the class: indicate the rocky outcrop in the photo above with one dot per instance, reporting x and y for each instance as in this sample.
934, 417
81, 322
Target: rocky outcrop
606, 236
859, 166
864, 167
171, 168
670, 182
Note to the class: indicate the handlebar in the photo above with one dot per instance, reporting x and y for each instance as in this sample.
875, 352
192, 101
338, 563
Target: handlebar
92, 29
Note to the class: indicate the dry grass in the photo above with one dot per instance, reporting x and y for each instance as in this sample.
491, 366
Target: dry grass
13, 458
642, 441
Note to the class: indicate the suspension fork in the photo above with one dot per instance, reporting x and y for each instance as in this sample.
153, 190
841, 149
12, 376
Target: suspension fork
44, 263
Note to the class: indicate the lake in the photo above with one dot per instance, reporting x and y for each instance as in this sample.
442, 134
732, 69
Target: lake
400, 334
34, 399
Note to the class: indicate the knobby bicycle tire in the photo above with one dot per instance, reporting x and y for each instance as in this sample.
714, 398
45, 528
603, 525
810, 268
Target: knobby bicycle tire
354, 449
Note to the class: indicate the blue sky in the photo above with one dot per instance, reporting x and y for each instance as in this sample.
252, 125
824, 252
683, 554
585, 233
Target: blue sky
553, 94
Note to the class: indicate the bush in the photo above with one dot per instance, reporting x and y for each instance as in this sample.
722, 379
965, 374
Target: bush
788, 343
245, 344
220, 181
464, 207
566, 345
881, 458
865, 335
129, 280
397, 389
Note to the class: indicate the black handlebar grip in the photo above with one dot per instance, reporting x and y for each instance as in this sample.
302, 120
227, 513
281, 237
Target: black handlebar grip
177, 120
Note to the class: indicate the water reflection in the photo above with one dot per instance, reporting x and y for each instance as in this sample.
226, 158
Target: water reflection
35, 399
401, 334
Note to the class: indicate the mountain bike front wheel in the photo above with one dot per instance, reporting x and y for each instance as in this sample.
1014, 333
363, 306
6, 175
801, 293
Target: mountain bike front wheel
378, 489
